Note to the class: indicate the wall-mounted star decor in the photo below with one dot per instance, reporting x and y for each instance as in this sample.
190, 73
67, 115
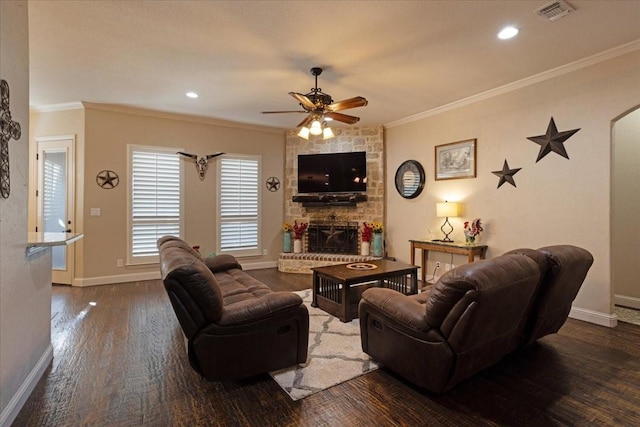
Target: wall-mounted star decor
107, 179
273, 184
552, 140
506, 174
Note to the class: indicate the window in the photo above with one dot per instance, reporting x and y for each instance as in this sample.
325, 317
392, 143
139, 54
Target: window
155, 200
239, 205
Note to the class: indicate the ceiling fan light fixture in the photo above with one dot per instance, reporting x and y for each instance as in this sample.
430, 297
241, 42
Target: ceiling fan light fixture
327, 133
304, 132
316, 128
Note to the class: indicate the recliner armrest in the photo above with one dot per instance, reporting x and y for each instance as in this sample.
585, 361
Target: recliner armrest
221, 263
398, 307
256, 309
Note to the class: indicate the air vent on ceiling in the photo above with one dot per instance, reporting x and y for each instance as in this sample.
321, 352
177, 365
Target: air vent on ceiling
554, 11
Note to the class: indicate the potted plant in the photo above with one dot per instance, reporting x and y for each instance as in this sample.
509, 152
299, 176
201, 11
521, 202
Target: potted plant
287, 228
298, 232
472, 230
378, 249
367, 232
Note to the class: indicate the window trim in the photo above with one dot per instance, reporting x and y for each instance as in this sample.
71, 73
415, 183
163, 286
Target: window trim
257, 251
131, 148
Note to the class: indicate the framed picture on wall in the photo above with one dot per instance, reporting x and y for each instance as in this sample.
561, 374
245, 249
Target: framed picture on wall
456, 160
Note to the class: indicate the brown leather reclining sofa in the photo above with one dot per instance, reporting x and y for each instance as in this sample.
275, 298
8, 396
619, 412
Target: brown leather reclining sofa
474, 316
234, 325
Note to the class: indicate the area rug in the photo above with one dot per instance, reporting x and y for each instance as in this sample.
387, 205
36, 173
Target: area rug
335, 355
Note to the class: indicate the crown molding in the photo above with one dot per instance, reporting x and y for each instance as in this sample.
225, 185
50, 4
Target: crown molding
55, 107
116, 108
528, 81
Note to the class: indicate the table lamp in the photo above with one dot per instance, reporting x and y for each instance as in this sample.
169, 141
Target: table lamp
446, 210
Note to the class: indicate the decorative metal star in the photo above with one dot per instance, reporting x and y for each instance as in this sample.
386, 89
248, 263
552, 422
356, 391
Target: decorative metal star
273, 183
506, 174
552, 140
107, 179
332, 234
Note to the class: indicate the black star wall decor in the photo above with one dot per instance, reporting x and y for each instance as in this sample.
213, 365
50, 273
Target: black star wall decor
552, 140
506, 174
107, 179
273, 184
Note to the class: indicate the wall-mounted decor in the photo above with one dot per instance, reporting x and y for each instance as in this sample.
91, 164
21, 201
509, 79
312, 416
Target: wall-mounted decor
202, 162
506, 174
552, 140
9, 129
410, 179
273, 184
456, 160
107, 179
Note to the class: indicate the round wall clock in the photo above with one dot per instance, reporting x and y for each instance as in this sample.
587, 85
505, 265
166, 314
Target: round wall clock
107, 179
410, 179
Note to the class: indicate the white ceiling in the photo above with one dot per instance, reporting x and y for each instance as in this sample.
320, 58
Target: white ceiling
243, 57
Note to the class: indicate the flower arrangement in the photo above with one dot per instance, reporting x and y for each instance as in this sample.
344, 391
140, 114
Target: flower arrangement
377, 227
287, 227
299, 229
473, 228
367, 229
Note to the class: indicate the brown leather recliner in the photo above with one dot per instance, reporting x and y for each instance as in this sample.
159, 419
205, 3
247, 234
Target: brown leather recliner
234, 325
564, 269
475, 315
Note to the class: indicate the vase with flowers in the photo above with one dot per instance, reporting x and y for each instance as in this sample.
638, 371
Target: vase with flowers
472, 230
287, 228
367, 231
298, 233
377, 243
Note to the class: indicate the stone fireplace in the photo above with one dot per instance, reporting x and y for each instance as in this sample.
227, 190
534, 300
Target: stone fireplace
333, 236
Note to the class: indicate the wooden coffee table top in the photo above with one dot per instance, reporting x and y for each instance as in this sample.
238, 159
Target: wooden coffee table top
384, 268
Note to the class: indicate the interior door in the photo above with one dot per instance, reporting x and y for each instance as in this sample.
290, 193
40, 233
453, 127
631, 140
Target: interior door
55, 200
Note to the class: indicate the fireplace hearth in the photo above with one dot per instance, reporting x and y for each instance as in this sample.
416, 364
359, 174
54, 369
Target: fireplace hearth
333, 237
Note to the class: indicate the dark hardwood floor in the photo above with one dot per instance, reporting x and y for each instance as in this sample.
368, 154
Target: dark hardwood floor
121, 362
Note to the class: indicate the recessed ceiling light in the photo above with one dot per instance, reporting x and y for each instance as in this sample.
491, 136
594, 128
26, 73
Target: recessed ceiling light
507, 33
191, 94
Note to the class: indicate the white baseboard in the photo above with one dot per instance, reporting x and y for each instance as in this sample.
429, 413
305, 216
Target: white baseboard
626, 301
16, 403
602, 319
120, 278
152, 275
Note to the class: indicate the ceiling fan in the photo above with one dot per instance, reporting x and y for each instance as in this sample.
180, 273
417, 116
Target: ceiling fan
320, 107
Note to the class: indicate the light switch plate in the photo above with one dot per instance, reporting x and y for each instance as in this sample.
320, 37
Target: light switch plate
95, 211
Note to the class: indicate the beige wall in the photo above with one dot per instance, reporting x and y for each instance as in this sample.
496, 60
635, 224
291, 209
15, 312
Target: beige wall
105, 132
625, 225
25, 281
556, 200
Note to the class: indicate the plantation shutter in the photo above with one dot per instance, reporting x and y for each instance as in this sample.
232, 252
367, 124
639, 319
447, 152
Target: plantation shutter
239, 213
155, 204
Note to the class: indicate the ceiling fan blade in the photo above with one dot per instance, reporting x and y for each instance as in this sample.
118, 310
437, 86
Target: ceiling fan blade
277, 112
345, 104
302, 99
343, 117
307, 120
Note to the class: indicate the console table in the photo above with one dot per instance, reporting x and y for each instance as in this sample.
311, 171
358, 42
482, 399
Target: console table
447, 247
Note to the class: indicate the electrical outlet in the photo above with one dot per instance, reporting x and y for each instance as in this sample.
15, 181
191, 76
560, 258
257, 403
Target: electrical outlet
437, 264
119, 263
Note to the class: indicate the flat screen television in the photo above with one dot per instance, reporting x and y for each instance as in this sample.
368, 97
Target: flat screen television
332, 172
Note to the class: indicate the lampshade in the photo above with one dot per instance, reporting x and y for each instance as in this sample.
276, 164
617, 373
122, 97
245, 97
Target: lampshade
304, 133
316, 128
447, 209
327, 133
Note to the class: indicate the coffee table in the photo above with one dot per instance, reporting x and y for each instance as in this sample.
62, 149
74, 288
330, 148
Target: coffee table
337, 288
